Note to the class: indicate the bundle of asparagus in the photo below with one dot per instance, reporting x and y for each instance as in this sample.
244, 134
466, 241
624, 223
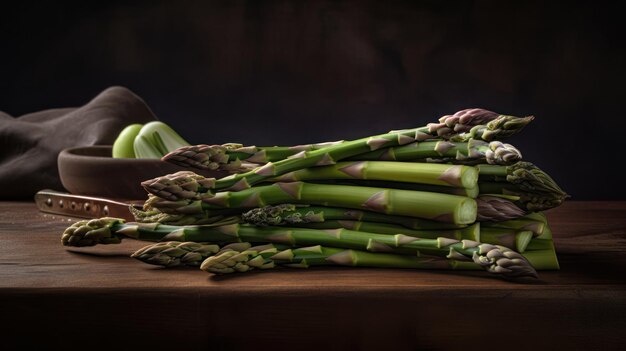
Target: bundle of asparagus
449, 195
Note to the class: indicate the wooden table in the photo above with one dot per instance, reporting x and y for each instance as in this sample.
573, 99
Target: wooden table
96, 298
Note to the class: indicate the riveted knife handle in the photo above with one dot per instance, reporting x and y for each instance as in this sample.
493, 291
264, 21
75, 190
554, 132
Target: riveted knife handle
51, 201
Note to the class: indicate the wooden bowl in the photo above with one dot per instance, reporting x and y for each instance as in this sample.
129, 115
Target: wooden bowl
91, 170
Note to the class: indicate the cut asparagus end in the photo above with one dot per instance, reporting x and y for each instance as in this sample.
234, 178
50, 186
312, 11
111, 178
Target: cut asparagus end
466, 212
469, 177
155, 139
543, 259
522, 239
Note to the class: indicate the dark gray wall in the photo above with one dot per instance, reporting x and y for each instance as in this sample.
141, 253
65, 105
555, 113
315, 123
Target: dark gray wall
280, 72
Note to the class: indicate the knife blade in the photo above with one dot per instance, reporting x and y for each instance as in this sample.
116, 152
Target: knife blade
52, 201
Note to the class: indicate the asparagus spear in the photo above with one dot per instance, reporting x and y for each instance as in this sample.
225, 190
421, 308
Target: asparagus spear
515, 239
543, 259
469, 192
230, 261
473, 124
473, 151
500, 126
536, 190
505, 262
231, 156
275, 254
471, 232
236, 157
423, 173
435, 206
112, 230
290, 214
175, 253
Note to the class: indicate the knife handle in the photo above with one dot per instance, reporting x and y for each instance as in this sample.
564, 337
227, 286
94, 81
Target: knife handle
57, 202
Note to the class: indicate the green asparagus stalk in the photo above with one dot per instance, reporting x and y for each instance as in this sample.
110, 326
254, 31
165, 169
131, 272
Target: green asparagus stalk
457, 176
536, 190
517, 240
290, 214
113, 230
514, 239
233, 157
500, 126
175, 253
469, 192
487, 127
543, 259
540, 250
435, 174
215, 218
471, 232
473, 151
236, 157
540, 244
434, 206
230, 261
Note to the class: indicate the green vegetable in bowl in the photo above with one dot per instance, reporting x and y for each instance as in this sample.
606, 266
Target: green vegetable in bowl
150, 140
123, 145
155, 139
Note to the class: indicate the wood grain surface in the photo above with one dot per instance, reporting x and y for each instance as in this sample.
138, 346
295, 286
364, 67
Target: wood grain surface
99, 297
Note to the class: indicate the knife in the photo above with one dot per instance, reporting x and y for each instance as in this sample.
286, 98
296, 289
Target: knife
51, 201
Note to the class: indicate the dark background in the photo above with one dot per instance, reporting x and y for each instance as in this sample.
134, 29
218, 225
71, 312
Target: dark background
288, 72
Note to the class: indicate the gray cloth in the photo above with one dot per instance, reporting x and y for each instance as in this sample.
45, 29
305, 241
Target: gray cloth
30, 144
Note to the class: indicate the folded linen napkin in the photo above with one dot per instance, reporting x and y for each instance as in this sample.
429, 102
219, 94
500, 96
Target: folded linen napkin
30, 144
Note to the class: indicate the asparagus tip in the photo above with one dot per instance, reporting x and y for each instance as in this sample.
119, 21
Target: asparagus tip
92, 232
502, 260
